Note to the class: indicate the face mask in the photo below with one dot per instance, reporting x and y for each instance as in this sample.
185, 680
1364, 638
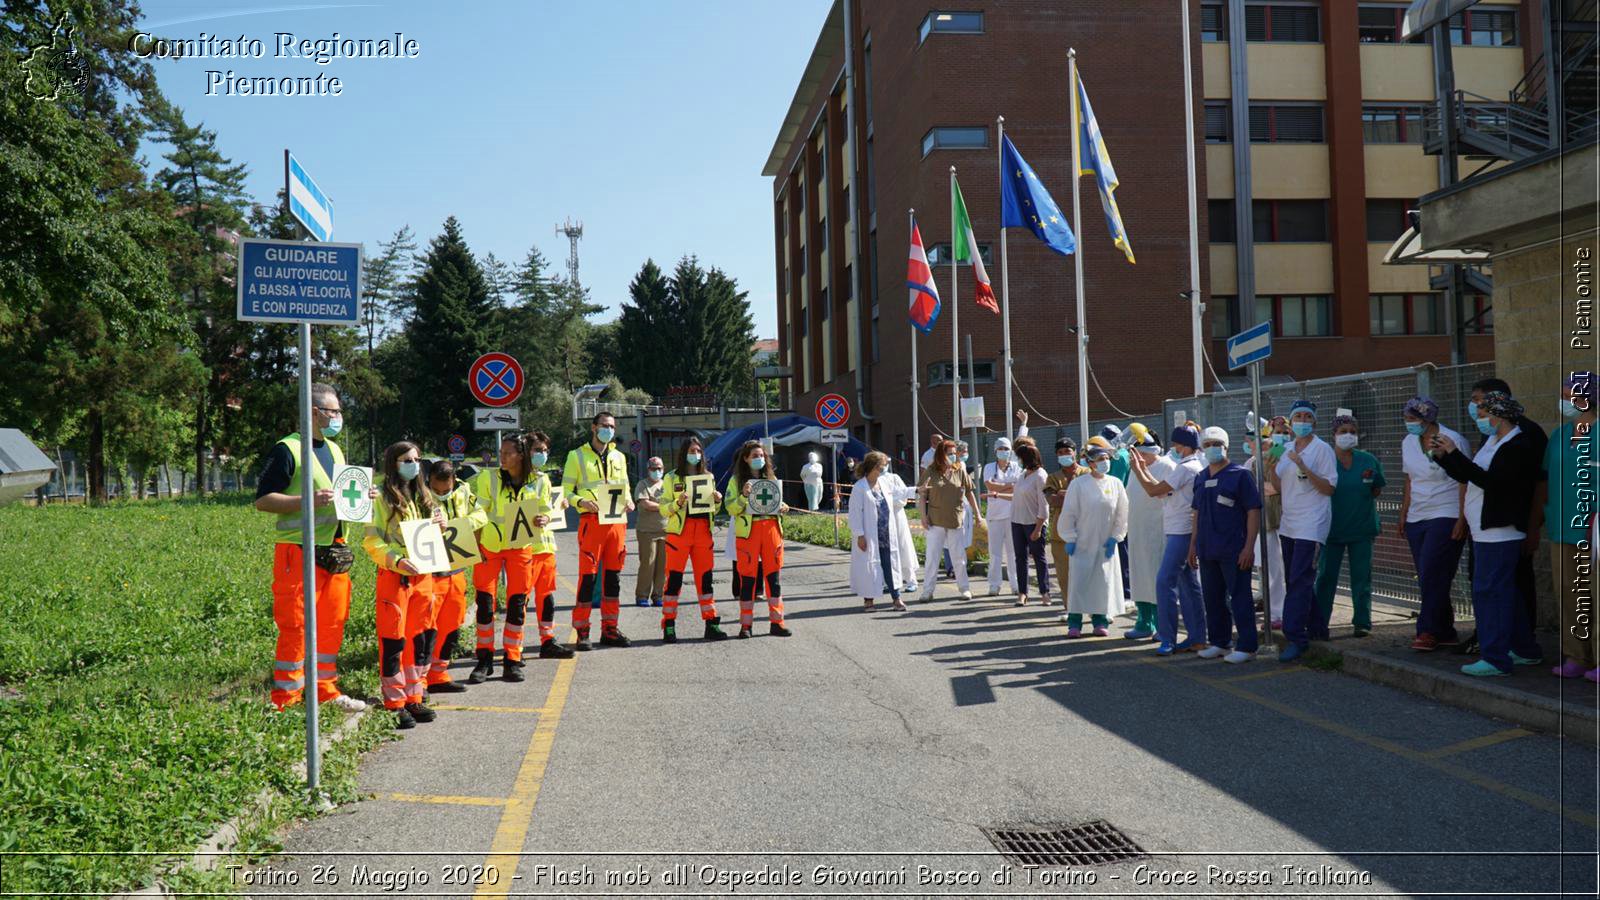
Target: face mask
1301, 429
1175, 454
539, 459
1065, 461
1569, 409
757, 463
1472, 409
1415, 428
1346, 441
655, 474
693, 459
334, 426
605, 434
440, 497
964, 459
1216, 454
410, 470
1002, 455
1103, 466
1485, 426
1280, 439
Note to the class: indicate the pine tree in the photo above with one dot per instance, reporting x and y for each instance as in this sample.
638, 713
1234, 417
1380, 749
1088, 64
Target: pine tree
650, 334
454, 323
716, 319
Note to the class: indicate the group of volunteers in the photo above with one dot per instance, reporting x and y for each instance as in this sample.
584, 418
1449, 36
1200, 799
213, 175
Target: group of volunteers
1179, 531
419, 615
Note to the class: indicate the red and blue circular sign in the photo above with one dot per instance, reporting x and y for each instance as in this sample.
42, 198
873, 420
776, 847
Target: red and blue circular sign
457, 444
495, 379
832, 410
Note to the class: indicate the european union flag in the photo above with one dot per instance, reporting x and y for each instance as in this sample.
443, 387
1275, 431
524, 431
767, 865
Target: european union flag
1024, 203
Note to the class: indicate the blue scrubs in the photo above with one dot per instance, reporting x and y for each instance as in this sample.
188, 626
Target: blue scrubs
1222, 503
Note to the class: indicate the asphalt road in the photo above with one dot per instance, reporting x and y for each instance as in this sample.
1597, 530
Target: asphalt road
867, 754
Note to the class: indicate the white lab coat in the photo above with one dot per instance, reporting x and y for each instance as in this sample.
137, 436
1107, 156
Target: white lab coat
1095, 509
908, 550
867, 577
1147, 540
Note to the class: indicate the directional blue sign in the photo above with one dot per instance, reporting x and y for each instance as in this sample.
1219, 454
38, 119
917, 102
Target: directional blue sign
307, 202
294, 281
1251, 345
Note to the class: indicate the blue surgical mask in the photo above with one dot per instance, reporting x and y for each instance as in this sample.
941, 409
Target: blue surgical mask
1472, 409
693, 458
1216, 454
757, 463
1569, 409
539, 458
1280, 439
1066, 460
334, 426
655, 474
410, 470
1175, 454
964, 459
1001, 455
1416, 428
1485, 426
1102, 466
1301, 429
606, 435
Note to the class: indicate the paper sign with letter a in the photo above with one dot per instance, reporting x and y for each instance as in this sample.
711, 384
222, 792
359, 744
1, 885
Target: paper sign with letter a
461, 543
557, 509
518, 526
351, 493
425, 546
613, 502
702, 492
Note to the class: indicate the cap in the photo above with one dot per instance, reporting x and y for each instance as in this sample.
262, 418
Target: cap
1213, 433
1003, 444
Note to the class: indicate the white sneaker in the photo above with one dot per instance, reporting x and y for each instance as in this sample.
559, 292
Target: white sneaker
1064, 618
1238, 656
966, 595
348, 703
1211, 652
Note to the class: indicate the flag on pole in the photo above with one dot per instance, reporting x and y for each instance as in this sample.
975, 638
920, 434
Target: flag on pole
1094, 160
966, 249
1024, 203
919, 278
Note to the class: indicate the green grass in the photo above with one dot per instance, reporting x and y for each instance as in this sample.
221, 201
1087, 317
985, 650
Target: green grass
134, 674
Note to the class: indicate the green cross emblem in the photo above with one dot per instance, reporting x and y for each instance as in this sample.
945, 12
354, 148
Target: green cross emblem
764, 495
352, 493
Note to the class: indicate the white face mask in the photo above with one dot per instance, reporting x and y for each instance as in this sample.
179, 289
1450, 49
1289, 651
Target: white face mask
1346, 440
1102, 466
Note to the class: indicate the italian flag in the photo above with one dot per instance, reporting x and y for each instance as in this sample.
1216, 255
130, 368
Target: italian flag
966, 249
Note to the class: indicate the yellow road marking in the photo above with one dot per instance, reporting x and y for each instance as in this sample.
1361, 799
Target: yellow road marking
495, 709
1478, 743
1417, 756
1280, 670
445, 799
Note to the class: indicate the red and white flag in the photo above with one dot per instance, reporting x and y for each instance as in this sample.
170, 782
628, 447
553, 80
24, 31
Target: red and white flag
919, 278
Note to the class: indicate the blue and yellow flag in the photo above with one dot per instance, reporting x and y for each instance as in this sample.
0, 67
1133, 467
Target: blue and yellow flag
1094, 160
1024, 202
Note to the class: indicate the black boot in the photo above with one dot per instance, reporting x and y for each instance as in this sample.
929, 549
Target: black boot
614, 638
421, 713
549, 649
447, 687
484, 669
669, 633
512, 670
582, 644
403, 719
714, 630
778, 630
744, 633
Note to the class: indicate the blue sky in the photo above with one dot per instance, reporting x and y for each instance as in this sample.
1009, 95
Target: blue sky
648, 121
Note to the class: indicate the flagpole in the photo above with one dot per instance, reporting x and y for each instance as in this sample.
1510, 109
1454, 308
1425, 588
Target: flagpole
1005, 281
955, 320
1077, 258
1194, 213
916, 405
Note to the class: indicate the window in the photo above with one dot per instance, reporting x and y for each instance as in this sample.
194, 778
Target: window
1405, 314
847, 211
1282, 22
805, 322
1386, 220
1224, 227
950, 23
1290, 221
1310, 315
955, 137
982, 372
1391, 124
1480, 314
849, 283
939, 254
1219, 123
827, 308
866, 75
1484, 28
1213, 23
802, 260
1379, 23
872, 182
872, 269
822, 236
1286, 124
1224, 319
876, 349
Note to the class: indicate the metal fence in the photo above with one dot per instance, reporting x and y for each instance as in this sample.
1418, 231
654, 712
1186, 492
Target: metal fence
1376, 399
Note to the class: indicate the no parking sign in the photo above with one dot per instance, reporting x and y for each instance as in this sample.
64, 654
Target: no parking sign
495, 379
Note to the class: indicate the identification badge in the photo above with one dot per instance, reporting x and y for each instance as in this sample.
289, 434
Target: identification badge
1224, 501
1211, 483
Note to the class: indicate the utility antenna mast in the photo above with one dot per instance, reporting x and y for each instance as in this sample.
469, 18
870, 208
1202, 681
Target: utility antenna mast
574, 233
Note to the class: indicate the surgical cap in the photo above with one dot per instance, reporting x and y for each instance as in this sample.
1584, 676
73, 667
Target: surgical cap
1187, 435
1303, 405
1501, 405
1423, 408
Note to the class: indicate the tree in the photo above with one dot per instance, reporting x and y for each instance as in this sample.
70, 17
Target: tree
453, 324
650, 334
716, 317
384, 279
529, 318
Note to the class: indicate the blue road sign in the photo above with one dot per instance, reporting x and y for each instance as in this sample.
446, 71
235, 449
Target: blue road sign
1251, 345
294, 281
307, 202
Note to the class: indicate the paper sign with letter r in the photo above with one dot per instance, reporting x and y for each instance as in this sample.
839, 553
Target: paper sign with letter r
461, 543
613, 502
557, 510
518, 526
702, 493
425, 546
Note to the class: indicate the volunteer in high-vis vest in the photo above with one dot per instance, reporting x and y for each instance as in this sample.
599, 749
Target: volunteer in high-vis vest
593, 473
689, 540
278, 493
407, 603
456, 499
760, 540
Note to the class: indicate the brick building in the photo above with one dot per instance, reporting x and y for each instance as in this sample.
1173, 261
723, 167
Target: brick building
1326, 167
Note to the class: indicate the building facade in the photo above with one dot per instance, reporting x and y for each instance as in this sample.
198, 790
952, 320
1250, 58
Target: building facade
1331, 173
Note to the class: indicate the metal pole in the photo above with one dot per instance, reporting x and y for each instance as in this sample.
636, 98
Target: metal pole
916, 403
1005, 280
1195, 307
1267, 638
972, 389
834, 462
955, 320
308, 566
1077, 258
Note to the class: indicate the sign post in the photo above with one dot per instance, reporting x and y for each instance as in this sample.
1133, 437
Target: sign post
833, 411
1251, 347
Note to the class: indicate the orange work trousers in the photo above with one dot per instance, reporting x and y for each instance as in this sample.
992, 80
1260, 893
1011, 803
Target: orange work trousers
760, 554
518, 566
289, 612
692, 546
450, 593
407, 608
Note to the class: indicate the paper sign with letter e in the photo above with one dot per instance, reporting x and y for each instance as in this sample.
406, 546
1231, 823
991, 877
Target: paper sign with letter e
702, 493
352, 488
518, 526
557, 509
425, 546
461, 543
613, 502
765, 497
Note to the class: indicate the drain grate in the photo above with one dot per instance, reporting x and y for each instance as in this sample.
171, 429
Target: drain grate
1090, 844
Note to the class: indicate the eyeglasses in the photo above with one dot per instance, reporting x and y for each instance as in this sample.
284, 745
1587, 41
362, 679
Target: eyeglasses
331, 410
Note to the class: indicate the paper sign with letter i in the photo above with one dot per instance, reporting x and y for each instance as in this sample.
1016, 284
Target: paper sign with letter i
461, 543
558, 509
518, 526
425, 546
702, 492
613, 502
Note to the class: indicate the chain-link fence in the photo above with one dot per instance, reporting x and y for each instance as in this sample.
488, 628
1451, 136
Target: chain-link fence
1376, 399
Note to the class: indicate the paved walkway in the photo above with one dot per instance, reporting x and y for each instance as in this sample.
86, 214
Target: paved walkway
868, 752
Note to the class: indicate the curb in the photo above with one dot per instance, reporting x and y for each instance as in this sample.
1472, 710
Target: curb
208, 856
1486, 698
